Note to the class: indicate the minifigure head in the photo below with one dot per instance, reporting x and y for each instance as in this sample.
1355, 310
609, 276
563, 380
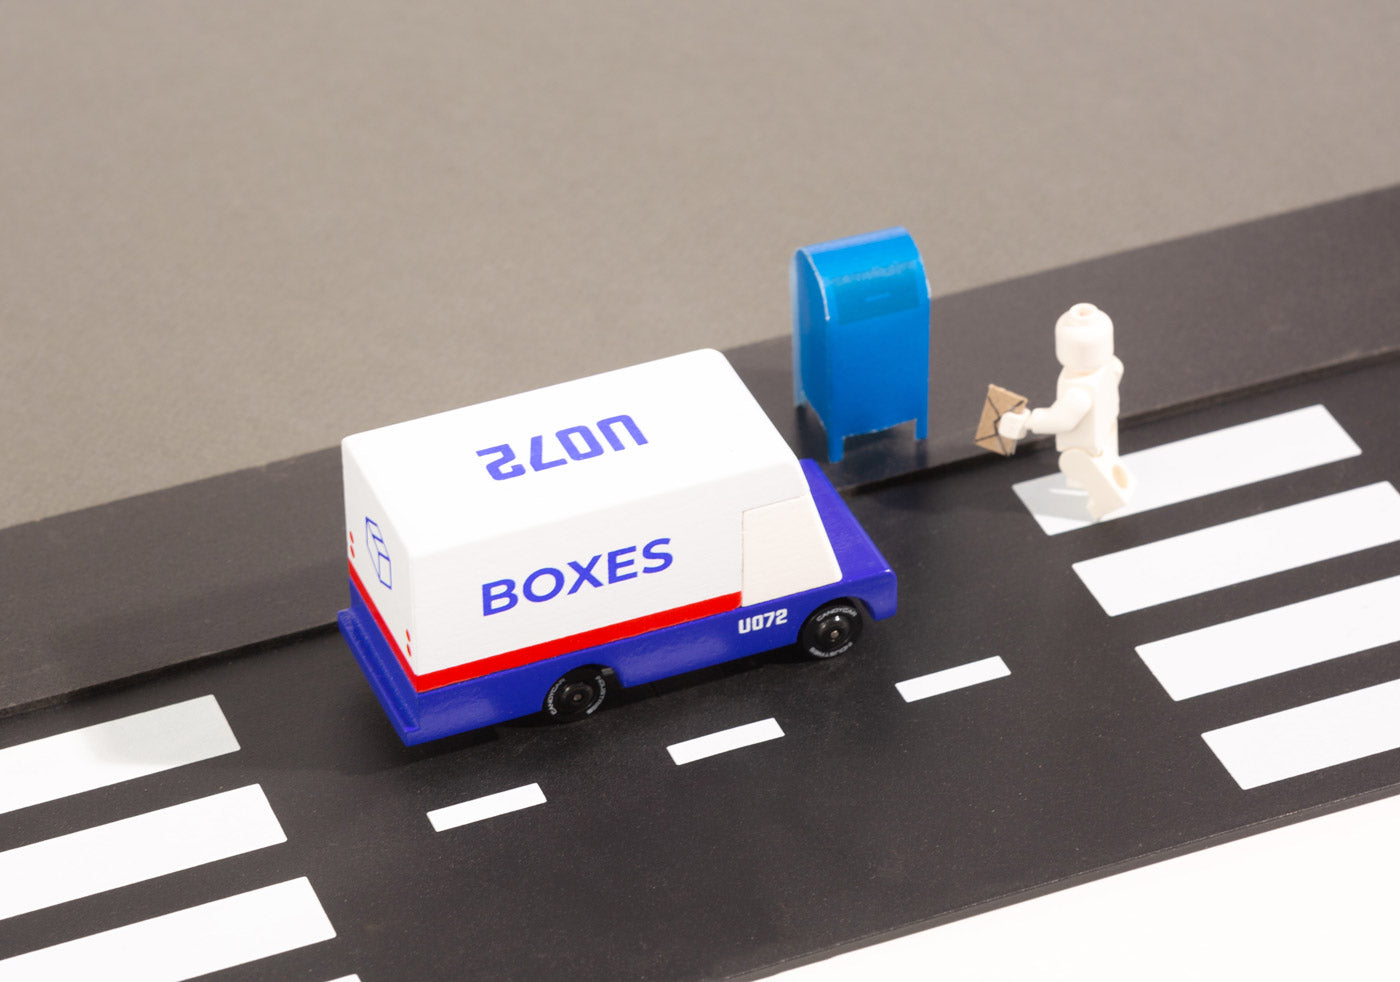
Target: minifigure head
1083, 338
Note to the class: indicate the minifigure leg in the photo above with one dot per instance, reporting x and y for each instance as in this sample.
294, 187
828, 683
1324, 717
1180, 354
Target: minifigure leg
1110, 484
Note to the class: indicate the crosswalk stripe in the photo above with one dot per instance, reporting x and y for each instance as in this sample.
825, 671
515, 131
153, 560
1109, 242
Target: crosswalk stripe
724, 741
109, 753
1278, 640
136, 849
488, 806
1245, 549
1310, 737
187, 943
1202, 465
951, 679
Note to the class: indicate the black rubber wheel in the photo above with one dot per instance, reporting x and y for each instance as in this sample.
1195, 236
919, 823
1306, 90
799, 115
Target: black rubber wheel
831, 630
577, 694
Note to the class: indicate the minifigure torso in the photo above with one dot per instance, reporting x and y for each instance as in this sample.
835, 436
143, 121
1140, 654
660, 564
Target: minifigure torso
1098, 430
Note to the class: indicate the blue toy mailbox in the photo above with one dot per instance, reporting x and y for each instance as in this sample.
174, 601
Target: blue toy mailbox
860, 334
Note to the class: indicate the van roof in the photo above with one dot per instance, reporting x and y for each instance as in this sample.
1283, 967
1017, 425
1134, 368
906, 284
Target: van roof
566, 451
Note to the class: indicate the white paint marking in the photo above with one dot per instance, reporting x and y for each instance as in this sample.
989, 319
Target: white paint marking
112, 752
187, 943
501, 803
136, 849
724, 741
951, 679
1202, 465
1310, 737
1313, 900
347, 978
1245, 549
1277, 640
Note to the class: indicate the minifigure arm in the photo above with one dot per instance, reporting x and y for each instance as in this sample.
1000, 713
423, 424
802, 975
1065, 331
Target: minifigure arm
1062, 415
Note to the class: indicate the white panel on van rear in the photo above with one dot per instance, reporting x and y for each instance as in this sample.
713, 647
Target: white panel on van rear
785, 551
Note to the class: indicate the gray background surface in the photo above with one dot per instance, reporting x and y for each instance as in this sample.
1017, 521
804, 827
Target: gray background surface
234, 233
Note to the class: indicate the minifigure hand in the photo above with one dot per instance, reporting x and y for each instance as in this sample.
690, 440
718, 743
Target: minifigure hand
1014, 425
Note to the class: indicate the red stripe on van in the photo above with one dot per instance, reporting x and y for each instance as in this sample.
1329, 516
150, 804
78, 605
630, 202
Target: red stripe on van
545, 649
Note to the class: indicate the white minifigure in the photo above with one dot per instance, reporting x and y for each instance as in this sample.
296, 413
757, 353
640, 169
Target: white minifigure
1084, 416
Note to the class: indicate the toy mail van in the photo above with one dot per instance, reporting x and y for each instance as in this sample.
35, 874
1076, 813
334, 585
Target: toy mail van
531, 553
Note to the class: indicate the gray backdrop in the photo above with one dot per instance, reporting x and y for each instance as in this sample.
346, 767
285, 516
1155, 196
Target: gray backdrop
232, 233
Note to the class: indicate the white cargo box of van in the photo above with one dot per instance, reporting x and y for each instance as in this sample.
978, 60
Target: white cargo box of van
514, 530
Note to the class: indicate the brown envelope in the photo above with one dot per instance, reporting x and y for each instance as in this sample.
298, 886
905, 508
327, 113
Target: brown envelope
999, 402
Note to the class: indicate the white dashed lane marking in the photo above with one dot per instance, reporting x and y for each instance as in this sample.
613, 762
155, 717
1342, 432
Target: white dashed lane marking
952, 679
488, 806
724, 741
